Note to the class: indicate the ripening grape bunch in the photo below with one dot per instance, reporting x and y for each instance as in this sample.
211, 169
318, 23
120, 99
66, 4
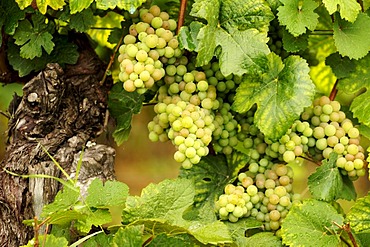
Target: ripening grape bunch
265, 196
148, 40
333, 132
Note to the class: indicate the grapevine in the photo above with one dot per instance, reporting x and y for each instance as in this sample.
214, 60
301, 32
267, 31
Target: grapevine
251, 94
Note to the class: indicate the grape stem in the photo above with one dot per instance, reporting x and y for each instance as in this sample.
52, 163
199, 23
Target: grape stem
334, 91
347, 228
112, 59
180, 22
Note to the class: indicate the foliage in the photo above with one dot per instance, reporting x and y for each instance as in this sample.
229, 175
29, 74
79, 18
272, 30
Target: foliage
262, 58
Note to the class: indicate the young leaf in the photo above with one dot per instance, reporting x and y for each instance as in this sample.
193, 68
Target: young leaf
79, 5
95, 218
348, 9
356, 81
82, 21
111, 193
245, 14
129, 5
33, 37
130, 236
122, 105
311, 224
297, 15
281, 91
167, 200
42, 5
352, 39
358, 215
211, 175
63, 200
263, 239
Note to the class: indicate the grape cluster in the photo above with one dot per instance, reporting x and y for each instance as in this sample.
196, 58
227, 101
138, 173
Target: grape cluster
334, 132
266, 196
148, 40
275, 42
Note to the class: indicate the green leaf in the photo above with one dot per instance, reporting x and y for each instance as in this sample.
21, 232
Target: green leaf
348, 191
99, 240
240, 49
42, 5
82, 21
326, 182
366, 4
122, 105
348, 9
281, 91
245, 14
358, 215
294, 44
297, 15
111, 193
33, 38
341, 66
356, 81
238, 229
363, 239
188, 36
63, 53
96, 218
352, 39
50, 241
64, 217
212, 233
130, 236
180, 240
212, 174
311, 224
263, 239
167, 200
79, 5
63, 200
129, 5
10, 15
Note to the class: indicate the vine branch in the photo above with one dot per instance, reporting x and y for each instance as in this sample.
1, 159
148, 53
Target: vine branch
180, 22
334, 91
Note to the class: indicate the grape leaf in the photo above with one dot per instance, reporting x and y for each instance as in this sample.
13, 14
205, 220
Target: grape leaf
130, 236
245, 14
363, 239
129, 5
356, 81
63, 53
281, 91
352, 39
348, 9
310, 224
212, 174
183, 240
63, 200
42, 5
263, 239
79, 5
10, 15
297, 15
122, 105
33, 37
212, 233
239, 48
294, 44
167, 200
112, 193
239, 228
341, 66
327, 184
48, 241
96, 218
99, 240
358, 215
188, 36
82, 21
366, 4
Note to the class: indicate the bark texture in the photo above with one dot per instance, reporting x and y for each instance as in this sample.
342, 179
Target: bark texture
60, 110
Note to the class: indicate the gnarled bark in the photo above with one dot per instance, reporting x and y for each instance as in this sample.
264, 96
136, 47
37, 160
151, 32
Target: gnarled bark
61, 110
